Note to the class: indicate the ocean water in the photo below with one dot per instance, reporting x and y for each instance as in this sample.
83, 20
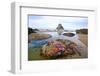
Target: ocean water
56, 36
40, 43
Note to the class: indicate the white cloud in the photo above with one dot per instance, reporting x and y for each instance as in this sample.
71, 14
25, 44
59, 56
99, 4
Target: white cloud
50, 22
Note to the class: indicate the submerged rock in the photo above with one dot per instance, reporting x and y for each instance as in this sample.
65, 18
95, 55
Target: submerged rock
37, 43
69, 34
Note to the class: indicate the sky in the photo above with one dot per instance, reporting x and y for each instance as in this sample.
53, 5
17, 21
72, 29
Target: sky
51, 22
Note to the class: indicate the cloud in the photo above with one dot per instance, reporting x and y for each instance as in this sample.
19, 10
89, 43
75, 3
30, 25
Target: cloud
51, 22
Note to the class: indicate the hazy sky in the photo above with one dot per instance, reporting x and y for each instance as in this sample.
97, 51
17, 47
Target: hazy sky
51, 22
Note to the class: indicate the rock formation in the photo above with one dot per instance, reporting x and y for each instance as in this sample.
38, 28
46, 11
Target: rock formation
60, 29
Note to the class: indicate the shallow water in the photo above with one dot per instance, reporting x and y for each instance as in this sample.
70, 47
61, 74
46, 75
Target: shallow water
35, 45
54, 36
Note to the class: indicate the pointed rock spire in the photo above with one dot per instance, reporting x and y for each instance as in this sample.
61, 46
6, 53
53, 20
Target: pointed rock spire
60, 29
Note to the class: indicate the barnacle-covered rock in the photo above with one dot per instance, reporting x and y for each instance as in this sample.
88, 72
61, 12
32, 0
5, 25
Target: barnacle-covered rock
59, 48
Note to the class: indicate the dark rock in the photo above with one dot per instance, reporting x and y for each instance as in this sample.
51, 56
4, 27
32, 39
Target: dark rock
60, 29
82, 31
69, 34
60, 26
35, 29
30, 30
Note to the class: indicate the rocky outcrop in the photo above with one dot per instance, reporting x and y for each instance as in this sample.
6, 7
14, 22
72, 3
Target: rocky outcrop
60, 29
30, 30
37, 36
82, 31
59, 48
60, 26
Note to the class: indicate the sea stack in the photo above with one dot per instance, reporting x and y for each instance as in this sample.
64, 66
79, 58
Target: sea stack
60, 29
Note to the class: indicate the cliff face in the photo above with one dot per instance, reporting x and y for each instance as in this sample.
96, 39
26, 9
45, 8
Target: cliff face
30, 30
82, 31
